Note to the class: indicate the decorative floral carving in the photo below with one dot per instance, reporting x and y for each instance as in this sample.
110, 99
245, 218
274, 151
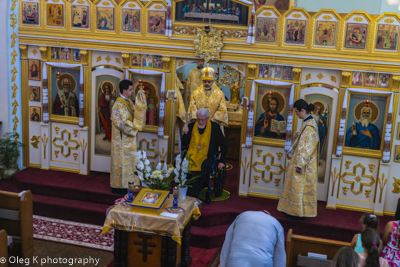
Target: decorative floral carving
234, 34
326, 17
358, 19
389, 20
185, 30
267, 13
297, 15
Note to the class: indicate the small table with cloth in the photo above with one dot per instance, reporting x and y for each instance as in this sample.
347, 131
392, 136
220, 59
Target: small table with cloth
151, 240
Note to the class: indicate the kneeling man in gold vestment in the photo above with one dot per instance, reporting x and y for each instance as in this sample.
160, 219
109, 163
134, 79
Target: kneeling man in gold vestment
127, 119
299, 194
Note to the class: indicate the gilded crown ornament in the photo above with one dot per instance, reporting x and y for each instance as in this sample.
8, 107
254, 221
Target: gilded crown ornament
208, 43
208, 73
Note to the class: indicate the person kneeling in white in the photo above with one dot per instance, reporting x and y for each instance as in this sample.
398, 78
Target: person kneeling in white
255, 238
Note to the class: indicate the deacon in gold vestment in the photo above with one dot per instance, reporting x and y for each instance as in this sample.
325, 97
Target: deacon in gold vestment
299, 194
127, 119
210, 97
193, 81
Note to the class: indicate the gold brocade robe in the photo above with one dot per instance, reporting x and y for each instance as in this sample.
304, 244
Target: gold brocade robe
180, 110
299, 194
213, 100
194, 81
125, 125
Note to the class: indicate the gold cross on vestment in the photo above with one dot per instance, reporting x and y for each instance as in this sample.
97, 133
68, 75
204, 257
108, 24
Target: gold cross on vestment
199, 147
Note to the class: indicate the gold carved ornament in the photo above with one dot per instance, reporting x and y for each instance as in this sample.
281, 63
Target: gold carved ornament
267, 13
56, 153
75, 155
34, 51
107, 58
148, 148
106, 3
358, 165
268, 167
208, 43
44, 139
358, 19
297, 15
347, 164
276, 181
158, 6
80, 2
345, 189
308, 76
389, 20
65, 142
185, 30
131, 5
118, 60
256, 177
320, 76
333, 79
367, 192
382, 183
98, 59
35, 141
371, 167
327, 17
245, 166
334, 177
56, 129
153, 141
76, 132
83, 147
14, 54
396, 186
279, 154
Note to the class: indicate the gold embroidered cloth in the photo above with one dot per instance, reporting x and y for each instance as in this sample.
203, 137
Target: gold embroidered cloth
126, 120
199, 144
194, 81
299, 194
124, 218
180, 110
213, 100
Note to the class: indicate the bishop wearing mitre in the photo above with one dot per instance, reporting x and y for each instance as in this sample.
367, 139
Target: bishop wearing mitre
127, 119
210, 97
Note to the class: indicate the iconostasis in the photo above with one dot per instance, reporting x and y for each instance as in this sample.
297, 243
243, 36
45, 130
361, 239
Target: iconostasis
75, 53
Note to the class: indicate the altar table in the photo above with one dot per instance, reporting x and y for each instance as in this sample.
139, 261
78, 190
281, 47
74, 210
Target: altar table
151, 240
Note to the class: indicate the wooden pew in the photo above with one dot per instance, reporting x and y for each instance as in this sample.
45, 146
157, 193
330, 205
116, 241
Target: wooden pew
298, 246
16, 218
3, 247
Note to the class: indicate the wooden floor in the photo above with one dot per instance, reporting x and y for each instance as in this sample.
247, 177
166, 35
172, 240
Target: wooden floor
47, 249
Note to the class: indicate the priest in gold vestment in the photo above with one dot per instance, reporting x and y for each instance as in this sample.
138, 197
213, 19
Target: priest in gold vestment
210, 97
299, 194
193, 81
127, 119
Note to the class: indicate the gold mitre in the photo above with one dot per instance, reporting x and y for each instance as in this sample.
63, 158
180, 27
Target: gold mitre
208, 73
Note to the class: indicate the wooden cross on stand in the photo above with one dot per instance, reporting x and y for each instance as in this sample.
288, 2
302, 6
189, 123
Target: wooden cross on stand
145, 244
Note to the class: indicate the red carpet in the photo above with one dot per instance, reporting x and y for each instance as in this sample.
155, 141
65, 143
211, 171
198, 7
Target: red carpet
85, 199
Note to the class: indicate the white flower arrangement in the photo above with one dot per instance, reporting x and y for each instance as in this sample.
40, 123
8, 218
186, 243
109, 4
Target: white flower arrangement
158, 177
182, 170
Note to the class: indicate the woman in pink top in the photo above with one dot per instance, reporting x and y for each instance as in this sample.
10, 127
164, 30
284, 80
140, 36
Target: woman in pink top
370, 257
391, 240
